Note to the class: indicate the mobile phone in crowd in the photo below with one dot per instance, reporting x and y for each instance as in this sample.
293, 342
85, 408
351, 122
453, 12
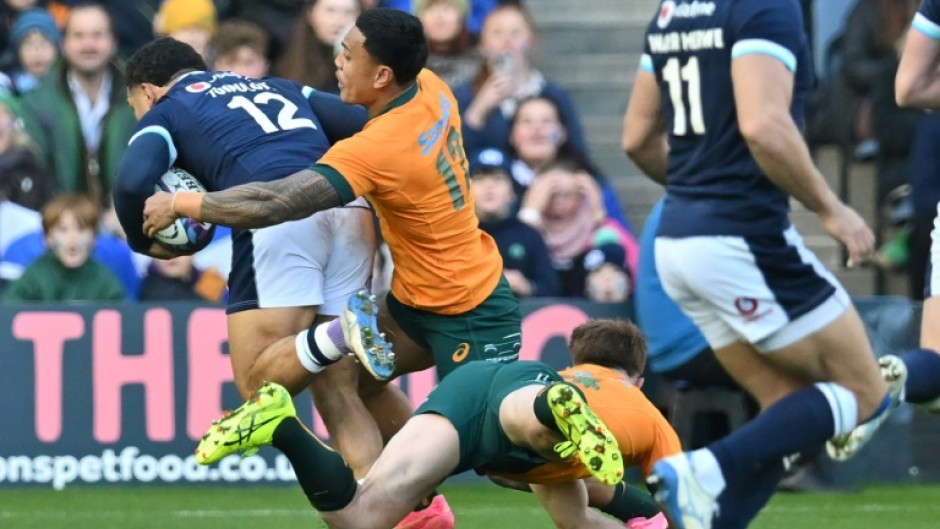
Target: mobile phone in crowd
506, 64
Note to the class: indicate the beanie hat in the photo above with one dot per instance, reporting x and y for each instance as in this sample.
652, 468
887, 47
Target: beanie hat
37, 19
175, 15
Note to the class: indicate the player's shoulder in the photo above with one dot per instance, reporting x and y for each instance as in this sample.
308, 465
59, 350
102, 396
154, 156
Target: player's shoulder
784, 13
930, 10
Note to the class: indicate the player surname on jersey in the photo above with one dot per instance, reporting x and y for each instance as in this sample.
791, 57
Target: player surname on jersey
699, 39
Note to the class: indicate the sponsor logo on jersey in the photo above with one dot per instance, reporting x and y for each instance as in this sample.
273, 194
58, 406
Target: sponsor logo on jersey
198, 88
670, 10
665, 14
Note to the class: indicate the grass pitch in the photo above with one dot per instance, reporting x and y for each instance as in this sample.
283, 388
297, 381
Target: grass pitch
477, 506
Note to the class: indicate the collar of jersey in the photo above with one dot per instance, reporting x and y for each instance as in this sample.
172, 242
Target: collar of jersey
407, 96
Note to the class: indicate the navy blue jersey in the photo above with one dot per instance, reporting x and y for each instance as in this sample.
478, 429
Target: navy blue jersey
715, 186
927, 20
227, 130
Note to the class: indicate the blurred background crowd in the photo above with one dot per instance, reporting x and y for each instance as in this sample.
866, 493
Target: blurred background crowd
557, 219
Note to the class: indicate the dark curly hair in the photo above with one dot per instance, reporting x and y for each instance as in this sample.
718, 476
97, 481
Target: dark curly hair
160, 60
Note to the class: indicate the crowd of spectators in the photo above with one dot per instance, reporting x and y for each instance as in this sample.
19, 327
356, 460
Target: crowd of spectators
65, 122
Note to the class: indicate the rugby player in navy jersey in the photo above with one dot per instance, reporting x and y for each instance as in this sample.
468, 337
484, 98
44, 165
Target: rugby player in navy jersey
226, 130
715, 115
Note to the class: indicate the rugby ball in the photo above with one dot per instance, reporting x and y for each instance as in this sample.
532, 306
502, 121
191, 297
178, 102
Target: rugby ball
185, 234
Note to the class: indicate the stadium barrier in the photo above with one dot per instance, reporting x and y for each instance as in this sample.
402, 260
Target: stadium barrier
101, 394
115, 394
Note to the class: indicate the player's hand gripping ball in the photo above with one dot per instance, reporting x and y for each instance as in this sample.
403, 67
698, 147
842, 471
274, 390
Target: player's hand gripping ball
185, 234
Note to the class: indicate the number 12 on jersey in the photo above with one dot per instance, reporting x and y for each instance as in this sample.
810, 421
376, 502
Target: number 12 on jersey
285, 117
676, 77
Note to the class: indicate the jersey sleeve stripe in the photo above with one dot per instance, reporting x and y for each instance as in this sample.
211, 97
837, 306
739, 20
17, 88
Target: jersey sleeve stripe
766, 47
339, 183
306, 91
926, 26
646, 63
163, 133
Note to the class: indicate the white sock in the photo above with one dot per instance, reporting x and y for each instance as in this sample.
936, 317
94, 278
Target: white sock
707, 471
304, 354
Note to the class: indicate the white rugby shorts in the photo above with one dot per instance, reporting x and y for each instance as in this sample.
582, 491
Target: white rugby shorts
320, 260
769, 290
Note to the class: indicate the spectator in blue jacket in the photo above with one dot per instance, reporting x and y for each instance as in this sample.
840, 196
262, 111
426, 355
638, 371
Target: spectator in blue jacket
526, 262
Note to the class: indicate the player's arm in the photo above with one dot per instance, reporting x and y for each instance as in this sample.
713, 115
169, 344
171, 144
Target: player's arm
149, 154
918, 80
339, 119
253, 205
763, 90
567, 504
644, 130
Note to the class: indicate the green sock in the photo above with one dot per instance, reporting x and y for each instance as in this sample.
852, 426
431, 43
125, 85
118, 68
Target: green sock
322, 473
631, 502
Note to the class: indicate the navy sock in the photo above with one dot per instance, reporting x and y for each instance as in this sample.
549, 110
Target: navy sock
923, 375
795, 423
326, 480
740, 502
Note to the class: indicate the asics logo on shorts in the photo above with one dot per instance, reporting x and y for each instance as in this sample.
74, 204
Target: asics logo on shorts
461, 352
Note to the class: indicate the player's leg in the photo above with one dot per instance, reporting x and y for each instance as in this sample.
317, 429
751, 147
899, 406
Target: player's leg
256, 337
773, 293
625, 502
921, 367
276, 287
566, 503
556, 421
426, 453
349, 235
415, 461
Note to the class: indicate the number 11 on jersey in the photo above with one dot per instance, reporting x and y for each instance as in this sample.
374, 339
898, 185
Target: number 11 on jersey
682, 118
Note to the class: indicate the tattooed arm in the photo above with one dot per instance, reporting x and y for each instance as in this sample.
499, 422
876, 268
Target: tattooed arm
253, 205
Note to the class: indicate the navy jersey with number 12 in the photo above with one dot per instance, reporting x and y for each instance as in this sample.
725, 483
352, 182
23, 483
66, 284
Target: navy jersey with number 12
227, 130
714, 185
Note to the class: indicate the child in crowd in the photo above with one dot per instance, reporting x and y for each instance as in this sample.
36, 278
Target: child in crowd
67, 271
526, 262
35, 38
